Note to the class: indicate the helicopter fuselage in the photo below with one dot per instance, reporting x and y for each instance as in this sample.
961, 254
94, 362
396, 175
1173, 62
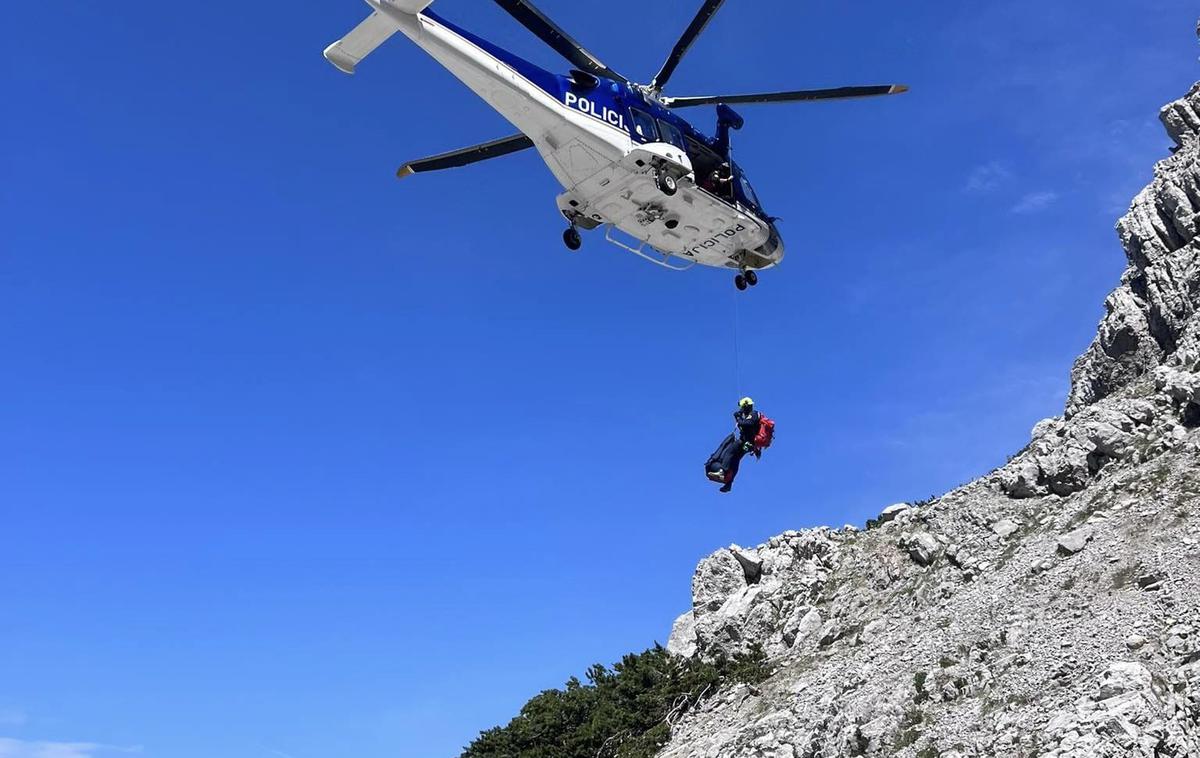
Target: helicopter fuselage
608, 142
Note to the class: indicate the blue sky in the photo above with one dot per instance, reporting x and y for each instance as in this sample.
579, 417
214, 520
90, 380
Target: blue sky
297, 460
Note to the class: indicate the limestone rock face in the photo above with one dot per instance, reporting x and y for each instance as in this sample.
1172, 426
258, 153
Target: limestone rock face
1146, 316
1139, 380
717, 578
741, 597
1050, 609
683, 636
1077, 634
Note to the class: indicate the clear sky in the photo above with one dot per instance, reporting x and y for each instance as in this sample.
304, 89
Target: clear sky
298, 460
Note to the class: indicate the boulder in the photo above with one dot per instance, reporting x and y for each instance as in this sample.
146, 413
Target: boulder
830, 632
874, 630
1107, 430
1151, 581
1135, 641
1124, 676
892, 511
751, 562
1005, 527
1045, 427
1073, 542
922, 547
716, 578
1022, 478
682, 641
1179, 385
801, 624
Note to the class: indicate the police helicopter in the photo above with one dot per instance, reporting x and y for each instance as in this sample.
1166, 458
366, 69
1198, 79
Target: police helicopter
627, 160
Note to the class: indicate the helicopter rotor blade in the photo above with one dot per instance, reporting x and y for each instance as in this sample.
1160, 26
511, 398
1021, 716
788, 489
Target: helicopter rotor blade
703, 16
554, 36
466, 155
803, 95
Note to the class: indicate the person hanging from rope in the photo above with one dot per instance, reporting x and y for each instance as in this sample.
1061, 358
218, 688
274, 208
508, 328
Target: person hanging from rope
754, 433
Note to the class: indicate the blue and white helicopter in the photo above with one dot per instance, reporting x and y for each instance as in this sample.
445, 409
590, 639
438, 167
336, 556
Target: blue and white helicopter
627, 160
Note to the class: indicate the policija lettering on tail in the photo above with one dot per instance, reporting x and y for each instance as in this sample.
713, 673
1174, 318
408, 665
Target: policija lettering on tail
755, 433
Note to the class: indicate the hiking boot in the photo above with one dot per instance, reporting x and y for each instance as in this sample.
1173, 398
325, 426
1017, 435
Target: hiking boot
717, 476
726, 488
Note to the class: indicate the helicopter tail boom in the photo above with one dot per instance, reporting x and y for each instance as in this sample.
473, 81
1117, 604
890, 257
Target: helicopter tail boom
410, 6
348, 52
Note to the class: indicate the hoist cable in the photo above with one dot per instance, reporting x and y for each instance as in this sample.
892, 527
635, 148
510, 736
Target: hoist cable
737, 358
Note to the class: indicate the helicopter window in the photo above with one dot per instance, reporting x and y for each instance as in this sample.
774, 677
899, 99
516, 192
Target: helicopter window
747, 190
643, 125
671, 134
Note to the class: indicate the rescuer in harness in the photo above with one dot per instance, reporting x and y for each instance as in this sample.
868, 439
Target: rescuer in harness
754, 433
720, 182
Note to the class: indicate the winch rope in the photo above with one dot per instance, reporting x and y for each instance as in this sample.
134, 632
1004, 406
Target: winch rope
737, 358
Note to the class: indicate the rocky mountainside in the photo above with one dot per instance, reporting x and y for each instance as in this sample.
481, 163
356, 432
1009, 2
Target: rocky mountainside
1051, 608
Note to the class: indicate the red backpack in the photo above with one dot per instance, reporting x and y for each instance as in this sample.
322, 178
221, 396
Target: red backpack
766, 433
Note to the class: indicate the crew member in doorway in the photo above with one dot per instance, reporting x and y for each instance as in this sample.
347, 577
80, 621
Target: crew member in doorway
722, 181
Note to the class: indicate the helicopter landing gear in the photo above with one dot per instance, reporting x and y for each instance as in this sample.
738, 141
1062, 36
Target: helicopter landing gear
572, 239
745, 279
666, 183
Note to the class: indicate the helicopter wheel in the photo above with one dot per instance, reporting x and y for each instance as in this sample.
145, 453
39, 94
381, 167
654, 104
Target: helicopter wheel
572, 239
751, 278
667, 184
740, 282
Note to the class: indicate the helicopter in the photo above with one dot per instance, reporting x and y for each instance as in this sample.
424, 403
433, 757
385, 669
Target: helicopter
627, 161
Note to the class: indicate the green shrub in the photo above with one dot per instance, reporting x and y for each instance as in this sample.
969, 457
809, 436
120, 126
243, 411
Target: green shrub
920, 695
909, 731
625, 712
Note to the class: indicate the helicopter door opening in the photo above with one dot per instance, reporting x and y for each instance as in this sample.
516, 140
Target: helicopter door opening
709, 166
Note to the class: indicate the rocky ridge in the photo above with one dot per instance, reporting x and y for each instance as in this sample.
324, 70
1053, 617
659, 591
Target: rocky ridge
1050, 608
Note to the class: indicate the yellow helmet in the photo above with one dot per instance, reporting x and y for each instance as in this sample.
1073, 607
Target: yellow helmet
745, 402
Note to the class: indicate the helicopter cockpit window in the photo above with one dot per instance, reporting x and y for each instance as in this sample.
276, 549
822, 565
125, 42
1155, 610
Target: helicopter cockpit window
747, 190
643, 126
670, 134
